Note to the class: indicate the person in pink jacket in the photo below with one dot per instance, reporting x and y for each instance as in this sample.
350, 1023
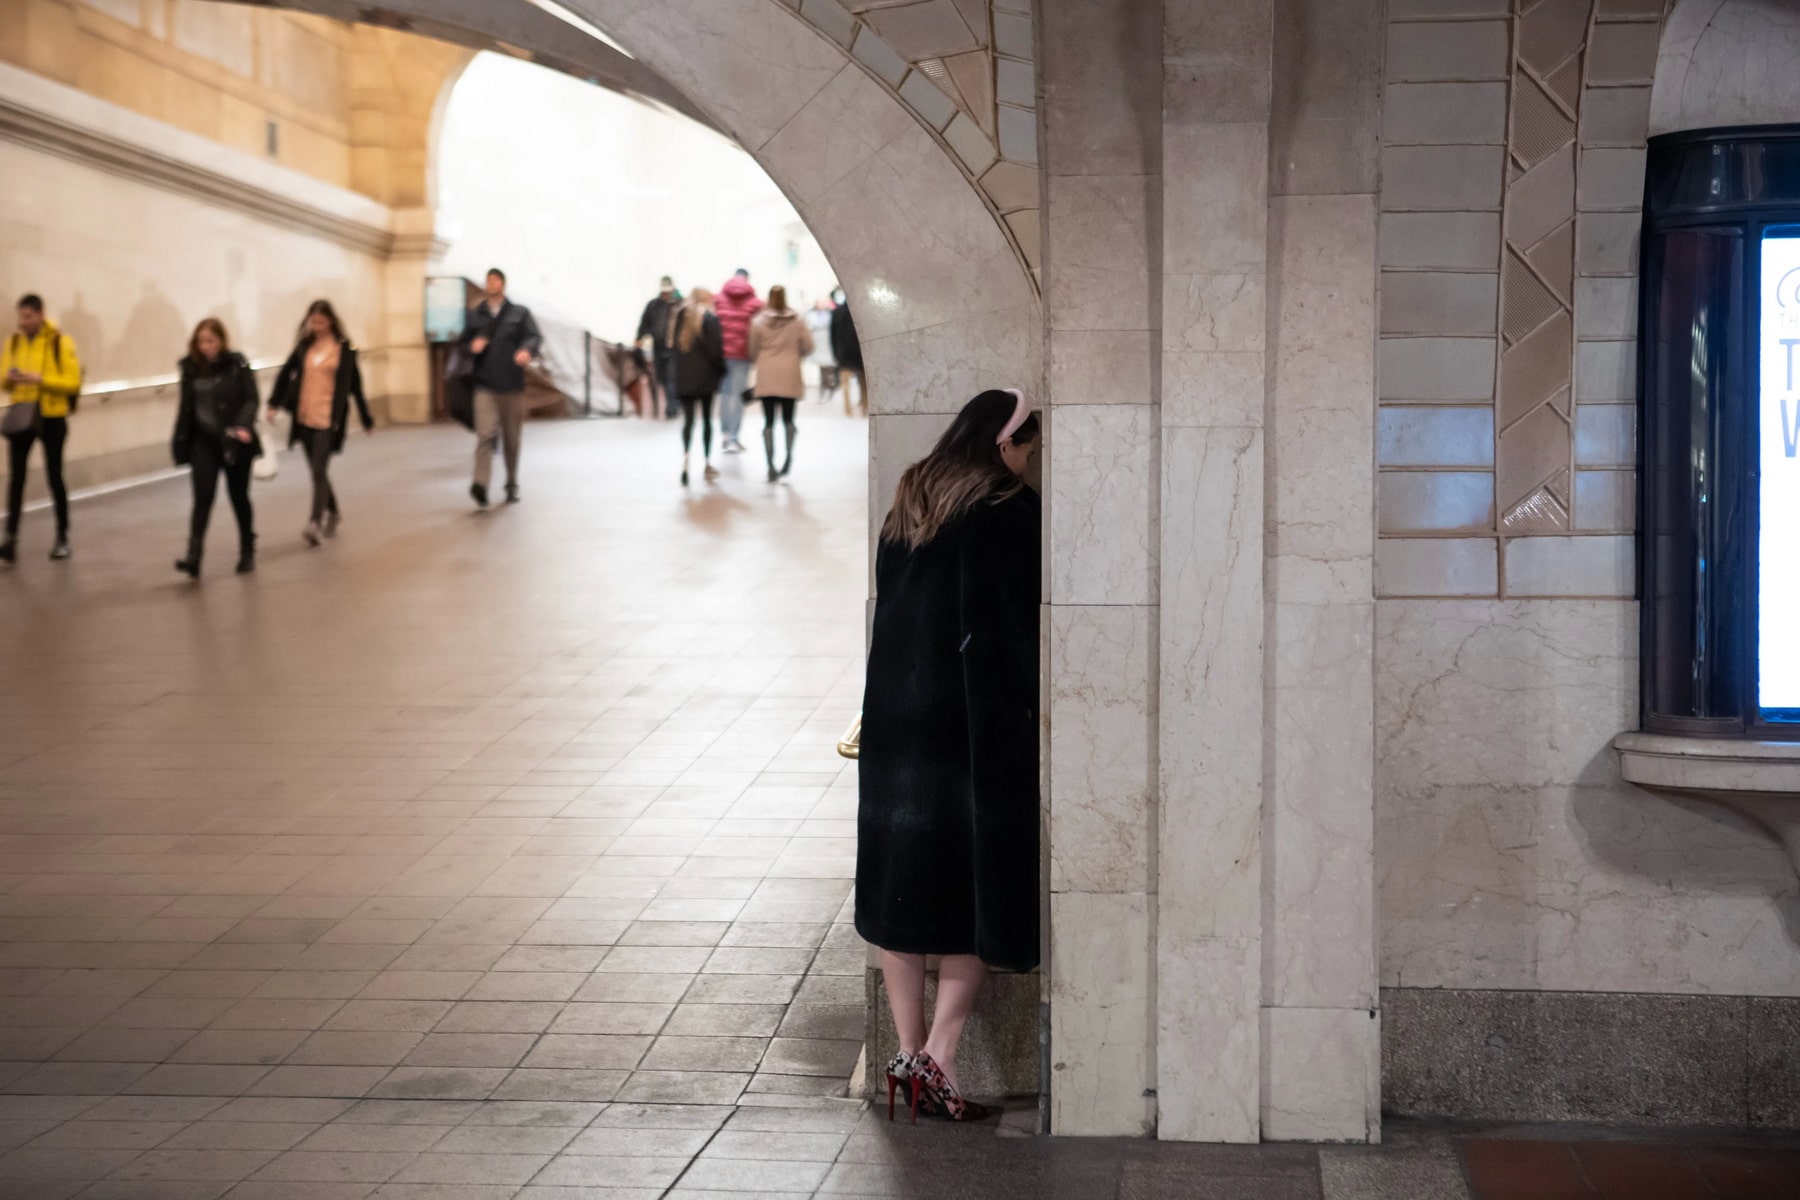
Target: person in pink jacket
736, 305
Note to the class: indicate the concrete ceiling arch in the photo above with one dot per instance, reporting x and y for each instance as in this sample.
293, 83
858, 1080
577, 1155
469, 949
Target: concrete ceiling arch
944, 303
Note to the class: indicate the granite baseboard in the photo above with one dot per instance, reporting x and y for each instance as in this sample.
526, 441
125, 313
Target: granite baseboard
999, 1053
1618, 1058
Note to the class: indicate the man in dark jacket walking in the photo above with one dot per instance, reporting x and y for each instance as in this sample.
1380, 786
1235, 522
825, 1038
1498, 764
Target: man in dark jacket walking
656, 326
502, 339
848, 351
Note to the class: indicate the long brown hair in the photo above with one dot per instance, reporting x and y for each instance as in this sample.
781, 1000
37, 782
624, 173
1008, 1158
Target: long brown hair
778, 299
322, 307
215, 327
964, 469
693, 318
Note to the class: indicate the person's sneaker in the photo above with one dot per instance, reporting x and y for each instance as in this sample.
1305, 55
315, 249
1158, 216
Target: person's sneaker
331, 524
312, 533
733, 446
61, 550
478, 494
512, 493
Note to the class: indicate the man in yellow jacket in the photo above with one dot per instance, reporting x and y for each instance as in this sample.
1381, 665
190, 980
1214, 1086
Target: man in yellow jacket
39, 367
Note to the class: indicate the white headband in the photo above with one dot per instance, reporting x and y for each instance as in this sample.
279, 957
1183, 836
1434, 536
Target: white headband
1021, 410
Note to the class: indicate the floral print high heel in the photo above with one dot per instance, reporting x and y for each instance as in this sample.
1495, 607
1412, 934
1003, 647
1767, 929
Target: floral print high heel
942, 1095
900, 1073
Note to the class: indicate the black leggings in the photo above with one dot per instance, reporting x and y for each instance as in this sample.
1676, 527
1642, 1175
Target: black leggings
318, 444
55, 432
689, 405
771, 406
209, 463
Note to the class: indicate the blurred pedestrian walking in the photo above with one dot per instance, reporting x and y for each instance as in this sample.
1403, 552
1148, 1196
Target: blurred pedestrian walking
316, 388
40, 371
779, 343
215, 434
737, 306
699, 365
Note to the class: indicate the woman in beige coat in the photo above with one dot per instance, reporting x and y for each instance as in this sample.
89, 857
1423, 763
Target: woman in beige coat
779, 343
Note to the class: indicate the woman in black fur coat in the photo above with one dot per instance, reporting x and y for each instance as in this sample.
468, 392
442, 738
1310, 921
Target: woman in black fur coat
947, 822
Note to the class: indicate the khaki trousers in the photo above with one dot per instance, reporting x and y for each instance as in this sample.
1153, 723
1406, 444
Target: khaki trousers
498, 416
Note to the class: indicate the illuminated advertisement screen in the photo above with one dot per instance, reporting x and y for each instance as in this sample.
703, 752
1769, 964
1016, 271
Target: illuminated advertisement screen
1778, 420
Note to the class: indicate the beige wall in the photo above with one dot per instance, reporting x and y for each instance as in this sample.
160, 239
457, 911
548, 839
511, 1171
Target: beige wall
128, 268
352, 105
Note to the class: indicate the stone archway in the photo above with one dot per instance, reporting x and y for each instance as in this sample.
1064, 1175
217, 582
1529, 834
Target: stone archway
930, 228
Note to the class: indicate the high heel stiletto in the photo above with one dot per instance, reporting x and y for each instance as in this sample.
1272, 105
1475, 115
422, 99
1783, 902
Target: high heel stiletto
941, 1094
900, 1074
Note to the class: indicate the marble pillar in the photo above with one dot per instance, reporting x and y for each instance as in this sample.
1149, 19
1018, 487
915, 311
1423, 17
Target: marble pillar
1321, 1031
401, 356
1209, 936
1101, 64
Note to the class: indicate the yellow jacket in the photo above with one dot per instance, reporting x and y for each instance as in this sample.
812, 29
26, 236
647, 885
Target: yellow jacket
50, 354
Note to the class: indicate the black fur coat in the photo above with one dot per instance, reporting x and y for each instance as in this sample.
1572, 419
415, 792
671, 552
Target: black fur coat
947, 823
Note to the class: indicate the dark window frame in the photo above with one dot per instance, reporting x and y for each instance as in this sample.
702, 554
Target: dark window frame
1755, 173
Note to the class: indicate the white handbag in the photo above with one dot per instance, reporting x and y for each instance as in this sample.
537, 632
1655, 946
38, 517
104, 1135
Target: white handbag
272, 430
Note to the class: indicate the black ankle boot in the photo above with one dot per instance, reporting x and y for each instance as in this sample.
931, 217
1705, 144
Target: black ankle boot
190, 566
769, 453
788, 463
246, 554
9, 550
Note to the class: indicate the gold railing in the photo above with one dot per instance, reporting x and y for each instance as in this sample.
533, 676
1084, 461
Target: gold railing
850, 745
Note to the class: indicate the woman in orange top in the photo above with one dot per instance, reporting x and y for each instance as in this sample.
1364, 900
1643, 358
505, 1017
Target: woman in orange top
316, 387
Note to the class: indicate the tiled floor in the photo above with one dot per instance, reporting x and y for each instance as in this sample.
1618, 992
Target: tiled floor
1528, 1166
480, 857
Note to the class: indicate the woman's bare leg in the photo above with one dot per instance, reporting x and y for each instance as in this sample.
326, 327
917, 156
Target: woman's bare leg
959, 981
904, 975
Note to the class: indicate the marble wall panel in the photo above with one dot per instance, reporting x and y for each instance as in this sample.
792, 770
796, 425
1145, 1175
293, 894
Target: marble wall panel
1102, 366
1220, 225
1211, 669
1214, 312
837, 131
1102, 775
1435, 501
1447, 241
1605, 501
1101, 1000
1213, 388
1520, 860
1569, 566
1102, 106
1100, 275
717, 52
1318, 826
1322, 350
1321, 1074
1437, 370
1102, 490
1445, 178
940, 368
1439, 114
1436, 567
913, 195
1325, 118
1208, 1035
1730, 70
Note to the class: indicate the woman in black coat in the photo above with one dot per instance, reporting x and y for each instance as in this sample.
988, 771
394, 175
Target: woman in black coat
699, 365
947, 822
215, 433
316, 386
